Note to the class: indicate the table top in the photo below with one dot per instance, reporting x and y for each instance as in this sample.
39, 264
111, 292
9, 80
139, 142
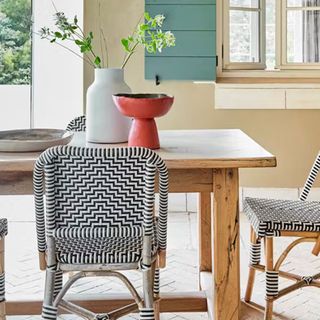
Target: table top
221, 148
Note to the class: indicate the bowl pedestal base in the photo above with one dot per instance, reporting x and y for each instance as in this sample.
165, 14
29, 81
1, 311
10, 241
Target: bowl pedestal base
144, 133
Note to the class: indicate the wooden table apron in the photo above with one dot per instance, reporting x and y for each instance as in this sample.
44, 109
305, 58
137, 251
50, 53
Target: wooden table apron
206, 162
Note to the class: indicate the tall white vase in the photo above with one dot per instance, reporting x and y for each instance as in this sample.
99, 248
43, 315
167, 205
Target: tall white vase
105, 124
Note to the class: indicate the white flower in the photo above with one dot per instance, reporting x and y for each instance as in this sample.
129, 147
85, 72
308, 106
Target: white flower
170, 39
159, 19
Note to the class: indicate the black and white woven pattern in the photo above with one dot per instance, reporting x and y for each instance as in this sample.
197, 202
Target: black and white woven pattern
3, 227
78, 124
307, 279
268, 216
156, 285
3, 233
99, 203
255, 253
146, 314
49, 312
311, 178
2, 287
272, 283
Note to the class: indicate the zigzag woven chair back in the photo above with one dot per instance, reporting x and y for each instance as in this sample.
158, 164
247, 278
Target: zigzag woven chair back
109, 190
78, 124
311, 178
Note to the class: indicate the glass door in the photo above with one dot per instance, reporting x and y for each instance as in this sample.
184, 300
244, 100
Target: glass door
15, 63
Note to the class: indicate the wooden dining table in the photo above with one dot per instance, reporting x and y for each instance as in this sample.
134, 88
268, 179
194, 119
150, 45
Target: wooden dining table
206, 162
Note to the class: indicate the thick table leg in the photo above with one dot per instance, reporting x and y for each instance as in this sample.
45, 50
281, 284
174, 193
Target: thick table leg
226, 277
204, 214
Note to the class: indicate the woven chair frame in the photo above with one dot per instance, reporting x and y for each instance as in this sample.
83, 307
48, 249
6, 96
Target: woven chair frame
272, 268
54, 223
78, 124
3, 233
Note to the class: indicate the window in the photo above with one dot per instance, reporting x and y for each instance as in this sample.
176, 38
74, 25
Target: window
15, 63
301, 33
270, 34
15, 42
245, 34
55, 94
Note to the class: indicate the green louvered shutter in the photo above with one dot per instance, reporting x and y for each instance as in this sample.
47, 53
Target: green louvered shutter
194, 57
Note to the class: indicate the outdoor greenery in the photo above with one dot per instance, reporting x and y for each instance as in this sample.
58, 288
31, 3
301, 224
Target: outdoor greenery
15, 41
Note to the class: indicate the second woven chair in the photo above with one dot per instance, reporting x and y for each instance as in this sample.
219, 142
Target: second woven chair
78, 124
98, 220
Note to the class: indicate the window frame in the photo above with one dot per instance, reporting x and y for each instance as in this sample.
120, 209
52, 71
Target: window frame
226, 39
281, 22
286, 71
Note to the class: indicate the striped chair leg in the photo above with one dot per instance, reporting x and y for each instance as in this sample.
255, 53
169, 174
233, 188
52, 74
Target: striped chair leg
58, 282
255, 255
156, 291
49, 312
272, 279
156, 286
146, 314
2, 282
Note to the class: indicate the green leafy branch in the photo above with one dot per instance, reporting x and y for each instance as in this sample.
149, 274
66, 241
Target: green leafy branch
150, 35
70, 30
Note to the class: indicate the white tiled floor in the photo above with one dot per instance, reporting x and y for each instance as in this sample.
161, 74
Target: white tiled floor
25, 279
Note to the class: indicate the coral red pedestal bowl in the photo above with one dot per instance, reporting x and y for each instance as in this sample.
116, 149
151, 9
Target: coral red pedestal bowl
143, 108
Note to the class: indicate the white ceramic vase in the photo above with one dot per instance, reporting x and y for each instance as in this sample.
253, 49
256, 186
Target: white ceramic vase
105, 124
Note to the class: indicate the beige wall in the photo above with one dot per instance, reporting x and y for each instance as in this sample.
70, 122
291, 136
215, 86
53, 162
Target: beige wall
292, 135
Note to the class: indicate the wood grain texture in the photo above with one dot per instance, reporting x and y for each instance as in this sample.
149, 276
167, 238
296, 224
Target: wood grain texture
180, 149
170, 302
16, 182
204, 214
226, 290
248, 311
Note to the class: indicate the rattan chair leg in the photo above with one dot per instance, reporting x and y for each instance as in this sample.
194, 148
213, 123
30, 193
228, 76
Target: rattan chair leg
316, 249
156, 307
252, 271
156, 287
250, 283
147, 313
269, 310
3, 310
50, 312
269, 270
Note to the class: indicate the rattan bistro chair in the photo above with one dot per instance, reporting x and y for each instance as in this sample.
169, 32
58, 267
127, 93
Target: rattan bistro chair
78, 124
3, 233
98, 220
271, 218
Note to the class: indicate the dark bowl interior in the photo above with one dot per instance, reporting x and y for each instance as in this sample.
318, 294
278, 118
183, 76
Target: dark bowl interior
142, 95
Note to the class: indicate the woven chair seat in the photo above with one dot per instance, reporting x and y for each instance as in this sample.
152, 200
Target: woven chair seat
101, 245
269, 216
3, 227
100, 250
